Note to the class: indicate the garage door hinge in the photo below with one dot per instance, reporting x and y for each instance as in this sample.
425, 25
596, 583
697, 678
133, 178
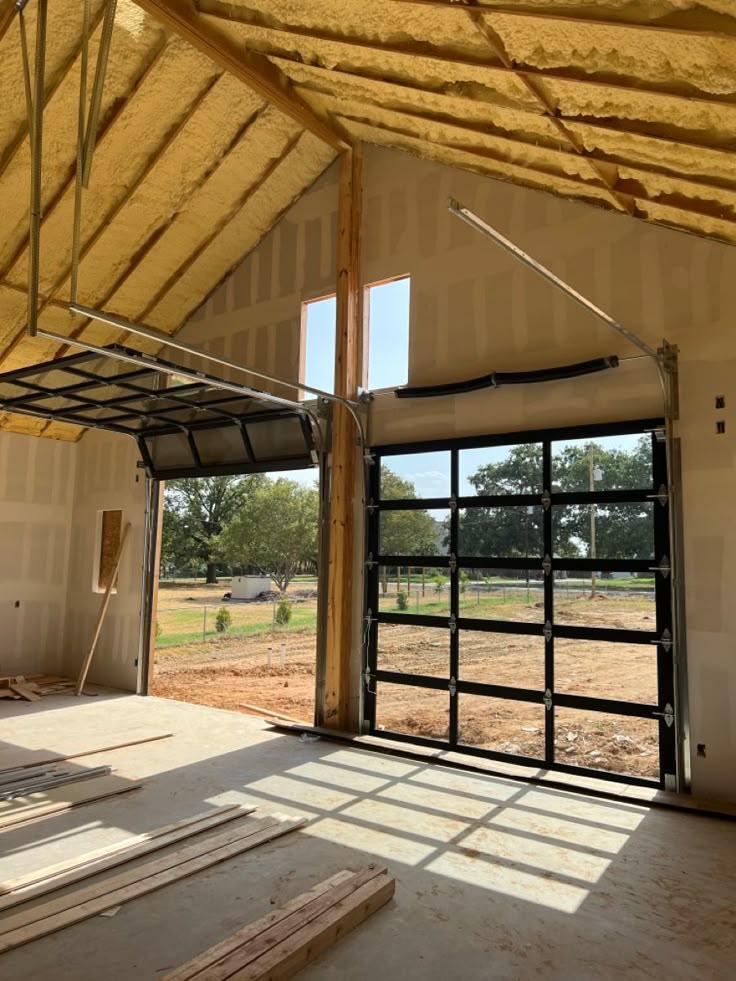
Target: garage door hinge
453, 503
664, 566
453, 563
368, 677
453, 623
369, 562
665, 640
548, 700
371, 507
547, 565
547, 631
662, 496
668, 715
546, 500
452, 687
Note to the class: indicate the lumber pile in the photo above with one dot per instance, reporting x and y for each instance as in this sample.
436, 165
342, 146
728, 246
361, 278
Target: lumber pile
25, 780
32, 687
55, 799
283, 942
42, 919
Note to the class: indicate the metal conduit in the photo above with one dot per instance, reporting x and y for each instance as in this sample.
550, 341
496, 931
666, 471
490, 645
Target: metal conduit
97, 88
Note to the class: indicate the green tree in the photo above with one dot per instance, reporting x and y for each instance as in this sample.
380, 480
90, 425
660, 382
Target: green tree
196, 511
405, 532
276, 532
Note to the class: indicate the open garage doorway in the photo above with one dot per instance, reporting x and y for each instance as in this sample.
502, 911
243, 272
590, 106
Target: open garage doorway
236, 618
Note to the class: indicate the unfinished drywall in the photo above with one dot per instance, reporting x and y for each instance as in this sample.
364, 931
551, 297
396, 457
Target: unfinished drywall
107, 478
475, 309
36, 485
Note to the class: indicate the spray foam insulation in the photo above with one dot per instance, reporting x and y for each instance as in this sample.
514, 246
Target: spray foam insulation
580, 98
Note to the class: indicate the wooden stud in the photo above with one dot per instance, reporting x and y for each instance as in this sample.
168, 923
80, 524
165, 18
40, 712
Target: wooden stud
19, 759
251, 67
345, 455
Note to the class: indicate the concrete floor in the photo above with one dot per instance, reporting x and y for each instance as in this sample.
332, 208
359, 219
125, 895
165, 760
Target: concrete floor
495, 879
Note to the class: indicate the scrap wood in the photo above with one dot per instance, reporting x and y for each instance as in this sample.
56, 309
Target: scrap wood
41, 805
84, 903
13, 756
13, 892
283, 942
34, 784
25, 691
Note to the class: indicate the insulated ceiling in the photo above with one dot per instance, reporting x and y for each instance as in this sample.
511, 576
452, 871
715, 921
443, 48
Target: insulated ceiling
625, 104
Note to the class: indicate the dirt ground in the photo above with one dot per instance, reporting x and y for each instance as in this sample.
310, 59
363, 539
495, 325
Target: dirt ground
277, 672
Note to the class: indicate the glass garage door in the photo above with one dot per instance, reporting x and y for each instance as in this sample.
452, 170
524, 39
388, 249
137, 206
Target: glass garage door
518, 602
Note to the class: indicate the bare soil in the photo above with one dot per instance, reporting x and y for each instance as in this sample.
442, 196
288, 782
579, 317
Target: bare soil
230, 671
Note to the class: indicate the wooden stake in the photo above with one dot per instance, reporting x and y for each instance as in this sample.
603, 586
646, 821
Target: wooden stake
103, 610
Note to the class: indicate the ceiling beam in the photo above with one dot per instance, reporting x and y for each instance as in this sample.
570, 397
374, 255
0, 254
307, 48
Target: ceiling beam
7, 13
214, 11
572, 18
252, 68
323, 84
536, 90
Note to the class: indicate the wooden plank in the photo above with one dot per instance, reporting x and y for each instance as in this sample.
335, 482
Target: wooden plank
307, 943
19, 811
130, 876
259, 710
25, 692
103, 610
266, 939
215, 954
6, 756
8, 10
151, 880
13, 892
345, 454
251, 67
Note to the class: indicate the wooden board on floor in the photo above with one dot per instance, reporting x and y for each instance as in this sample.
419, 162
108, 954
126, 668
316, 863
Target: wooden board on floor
40, 921
283, 942
43, 804
42, 881
16, 758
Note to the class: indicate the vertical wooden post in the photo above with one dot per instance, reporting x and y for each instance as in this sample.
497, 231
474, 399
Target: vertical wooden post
345, 450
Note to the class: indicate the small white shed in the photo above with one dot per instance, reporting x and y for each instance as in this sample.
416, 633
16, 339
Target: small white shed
248, 587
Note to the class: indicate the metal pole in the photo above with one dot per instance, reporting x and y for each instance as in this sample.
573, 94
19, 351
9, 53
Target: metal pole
591, 473
36, 130
466, 215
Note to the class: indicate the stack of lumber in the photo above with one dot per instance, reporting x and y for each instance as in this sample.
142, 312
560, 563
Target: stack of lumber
31, 687
25, 780
43, 803
280, 944
19, 927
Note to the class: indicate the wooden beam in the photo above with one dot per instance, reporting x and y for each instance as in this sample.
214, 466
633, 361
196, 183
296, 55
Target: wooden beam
346, 460
430, 52
251, 67
8, 11
564, 17
536, 90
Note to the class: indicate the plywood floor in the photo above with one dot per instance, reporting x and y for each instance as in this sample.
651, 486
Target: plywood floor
496, 879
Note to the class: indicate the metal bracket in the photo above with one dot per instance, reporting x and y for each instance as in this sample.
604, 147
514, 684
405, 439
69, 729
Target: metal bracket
547, 632
370, 562
452, 687
662, 496
665, 640
453, 623
546, 500
453, 563
547, 565
371, 507
664, 567
668, 715
453, 503
369, 458
368, 677
369, 619
548, 700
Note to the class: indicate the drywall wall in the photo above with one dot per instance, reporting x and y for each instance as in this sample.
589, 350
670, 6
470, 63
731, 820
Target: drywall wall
475, 309
107, 478
36, 484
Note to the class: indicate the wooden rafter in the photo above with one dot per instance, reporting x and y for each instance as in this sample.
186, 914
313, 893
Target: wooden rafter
7, 13
569, 17
536, 90
345, 454
254, 69
430, 52
450, 118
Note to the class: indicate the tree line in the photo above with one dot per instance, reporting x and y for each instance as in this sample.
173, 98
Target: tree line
271, 526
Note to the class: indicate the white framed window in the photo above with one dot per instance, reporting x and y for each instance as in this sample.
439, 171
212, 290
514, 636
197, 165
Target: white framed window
386, 315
